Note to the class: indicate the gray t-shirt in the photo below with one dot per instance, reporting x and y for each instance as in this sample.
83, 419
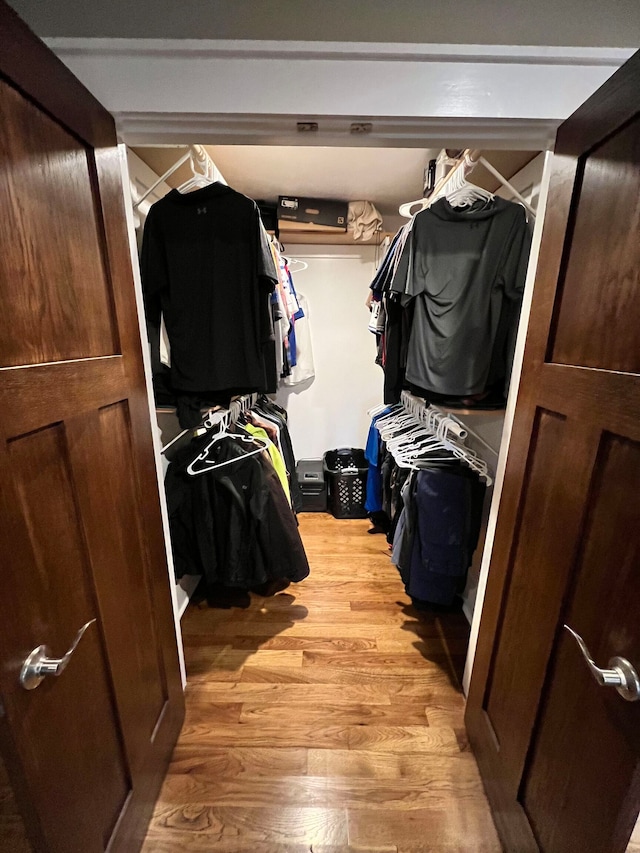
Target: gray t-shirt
465, 269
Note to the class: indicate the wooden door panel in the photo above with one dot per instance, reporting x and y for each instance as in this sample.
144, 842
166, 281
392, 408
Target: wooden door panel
99, 383
560, 756
604, 614
13, 833
101, 446
48, 594
59, 306
547, 535
82, 532
592, 329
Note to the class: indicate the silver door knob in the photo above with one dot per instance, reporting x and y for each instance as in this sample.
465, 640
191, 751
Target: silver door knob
621, 673
37, 664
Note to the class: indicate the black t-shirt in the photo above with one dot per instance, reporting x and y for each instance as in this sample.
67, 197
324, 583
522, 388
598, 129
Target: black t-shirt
207, 267
464, 271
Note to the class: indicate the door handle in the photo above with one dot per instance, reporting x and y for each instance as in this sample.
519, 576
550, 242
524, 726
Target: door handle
621, 673
38, 664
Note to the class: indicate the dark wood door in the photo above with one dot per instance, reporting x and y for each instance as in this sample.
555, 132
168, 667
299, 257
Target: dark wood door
559, 755
81, 535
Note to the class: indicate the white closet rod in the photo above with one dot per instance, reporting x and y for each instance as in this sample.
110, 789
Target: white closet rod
200, 162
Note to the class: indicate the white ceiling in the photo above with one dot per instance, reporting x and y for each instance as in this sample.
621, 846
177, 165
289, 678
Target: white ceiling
512, 22
385, 176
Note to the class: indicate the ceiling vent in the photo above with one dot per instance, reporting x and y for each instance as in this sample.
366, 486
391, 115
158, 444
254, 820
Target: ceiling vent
307, 126
360, 127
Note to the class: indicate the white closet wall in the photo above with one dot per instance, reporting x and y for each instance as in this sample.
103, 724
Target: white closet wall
533, 183
489, 426
136, 178
331, 410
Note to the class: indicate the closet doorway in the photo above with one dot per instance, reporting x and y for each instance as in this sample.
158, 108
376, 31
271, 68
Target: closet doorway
628, 393
91, 700
331, 409
515, 837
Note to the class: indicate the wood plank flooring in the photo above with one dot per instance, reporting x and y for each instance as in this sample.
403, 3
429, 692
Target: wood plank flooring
327, 718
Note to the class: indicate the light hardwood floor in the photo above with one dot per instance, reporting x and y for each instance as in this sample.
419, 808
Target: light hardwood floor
327, 718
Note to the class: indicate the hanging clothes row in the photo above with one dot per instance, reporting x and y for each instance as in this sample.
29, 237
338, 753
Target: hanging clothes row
425, 490
210, 273
446, 300
231, 494
294, 353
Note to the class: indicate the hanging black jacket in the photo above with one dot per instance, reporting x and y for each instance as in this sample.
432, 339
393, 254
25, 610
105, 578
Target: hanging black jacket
232, 524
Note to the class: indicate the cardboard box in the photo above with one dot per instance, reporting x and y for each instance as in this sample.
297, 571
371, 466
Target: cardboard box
312, 214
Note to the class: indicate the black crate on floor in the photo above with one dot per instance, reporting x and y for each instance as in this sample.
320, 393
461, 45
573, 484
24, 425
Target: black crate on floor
313, 485
345, 471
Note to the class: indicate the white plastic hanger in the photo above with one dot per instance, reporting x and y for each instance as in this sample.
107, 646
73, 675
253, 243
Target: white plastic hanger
376, 410
464, 194
409, 448
203, 169
465, 164
295, 265
438, 190
429, 430
200, 464
225, 418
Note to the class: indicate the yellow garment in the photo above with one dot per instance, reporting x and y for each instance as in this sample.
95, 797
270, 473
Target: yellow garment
276, 457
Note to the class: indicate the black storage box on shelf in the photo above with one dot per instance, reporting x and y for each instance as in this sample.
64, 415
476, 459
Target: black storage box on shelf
345, 470
313, 486
312, 214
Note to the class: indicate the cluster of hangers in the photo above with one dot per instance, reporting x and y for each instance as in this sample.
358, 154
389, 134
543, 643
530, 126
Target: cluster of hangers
220, 420
203, 172
459, 191
412, 430
223, 418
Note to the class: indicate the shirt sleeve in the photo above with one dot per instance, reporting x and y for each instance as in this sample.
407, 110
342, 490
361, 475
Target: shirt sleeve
155, 281
516, 262
514, 277
266, 267
402, 284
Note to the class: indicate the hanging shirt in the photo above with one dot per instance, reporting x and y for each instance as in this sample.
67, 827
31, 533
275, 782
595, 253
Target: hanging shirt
276, 457
448, 512
206, 266
304, 367
464, 270
232, 524
373, 501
